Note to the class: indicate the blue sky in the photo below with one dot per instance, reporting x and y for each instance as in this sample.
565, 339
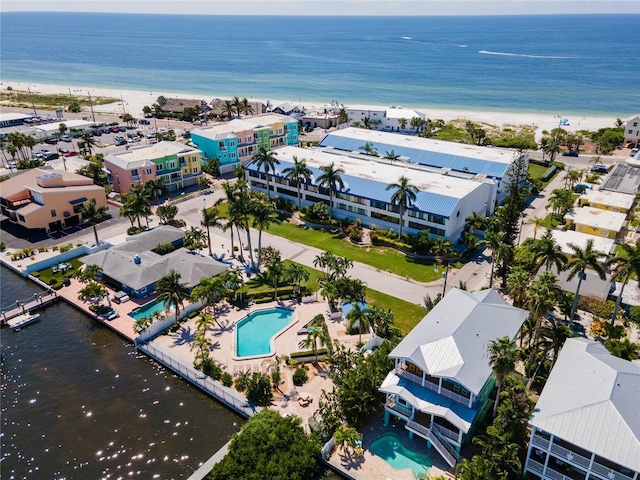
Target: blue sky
330, 7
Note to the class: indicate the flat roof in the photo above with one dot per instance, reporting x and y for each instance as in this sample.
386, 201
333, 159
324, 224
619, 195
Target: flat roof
55, 127
564, 237
159, 150
598, 218
609, 197
438, 194
623, 178
267, 119
216, 132
28, 180
591, 400
492, 162
7, 117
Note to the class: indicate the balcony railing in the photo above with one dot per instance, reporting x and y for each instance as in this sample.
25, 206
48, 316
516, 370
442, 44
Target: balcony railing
433, 387
566, 454
18, 203
535, 467
445, 432
401, 409
607, 473
540, 442
554, 475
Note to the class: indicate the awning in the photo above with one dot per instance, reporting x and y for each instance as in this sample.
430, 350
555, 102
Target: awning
78, 201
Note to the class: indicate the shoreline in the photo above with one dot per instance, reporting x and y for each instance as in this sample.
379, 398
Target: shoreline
135, 100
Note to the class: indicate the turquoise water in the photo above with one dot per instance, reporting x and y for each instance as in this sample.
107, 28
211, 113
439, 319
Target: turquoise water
390, 449
148, 309
254, 332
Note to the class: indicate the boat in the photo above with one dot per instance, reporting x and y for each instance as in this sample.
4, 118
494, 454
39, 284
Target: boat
23, 323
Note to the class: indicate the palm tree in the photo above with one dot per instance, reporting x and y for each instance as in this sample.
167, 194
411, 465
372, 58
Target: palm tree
581, 259
264, 214
88, 144
502, 358
227, 109
211, 290
624, 266
537, 222
155, 188
298, 274
392, 156
195, 238
265, 159
171, 292
552, 337
478, 468
313, 333
138, 202
347, 437
403, 197
298, 173
493, 241
359, 316
245, 107
474, 222
518, 283
210, 219
331, 178
92, 214
624, 348
230, 196
548, 253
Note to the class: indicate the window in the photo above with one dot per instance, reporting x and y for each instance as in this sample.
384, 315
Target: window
635, 124
53, 213
386, 218
630, 132
194, 170
148, 171
378, 205
134, 172
232, 143
172, 164
159, 167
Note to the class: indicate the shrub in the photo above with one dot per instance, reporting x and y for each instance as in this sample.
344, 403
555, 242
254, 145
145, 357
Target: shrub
258, 301
36, 274
259, 389
164, 248
2, 247
211, 368
242, 382
597, 307
134, 230
300, 377
634, 313
226, 379
309, 353
355, 235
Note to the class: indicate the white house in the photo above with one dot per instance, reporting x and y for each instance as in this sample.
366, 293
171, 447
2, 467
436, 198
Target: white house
390, 119
632, 130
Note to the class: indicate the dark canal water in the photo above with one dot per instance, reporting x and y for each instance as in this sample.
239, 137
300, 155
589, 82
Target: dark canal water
79, 402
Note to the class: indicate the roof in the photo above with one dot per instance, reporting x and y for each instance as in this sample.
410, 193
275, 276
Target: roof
179, 104
269, 119
119, 264
9, 116
369, 178
622, 178
609, 198
29, 180
153, 152
592, 399
492, 162
406, 113
55, 127
564, 237
223, 130
451, 341
597, 218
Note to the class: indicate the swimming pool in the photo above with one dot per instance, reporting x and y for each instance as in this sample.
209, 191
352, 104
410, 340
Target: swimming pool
255, 332
390, 448
148, 309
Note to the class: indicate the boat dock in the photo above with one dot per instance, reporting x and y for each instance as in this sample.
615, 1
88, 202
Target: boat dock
26, 307
20, 321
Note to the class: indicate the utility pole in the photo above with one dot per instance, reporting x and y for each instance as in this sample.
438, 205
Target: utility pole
124, 112
93, 116
32, 104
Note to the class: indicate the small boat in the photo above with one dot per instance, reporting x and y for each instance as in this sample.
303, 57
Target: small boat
23, 323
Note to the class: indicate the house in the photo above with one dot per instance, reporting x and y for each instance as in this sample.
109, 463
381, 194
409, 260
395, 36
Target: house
178, 164
49, 130
134, 267
46, 199
391, 119
607, 200
586, 424
177, 105
595, 221
288, 109
442, 202
442, 379
11, 119
623, 178
495, 165
235, 143
564, 238
632, 130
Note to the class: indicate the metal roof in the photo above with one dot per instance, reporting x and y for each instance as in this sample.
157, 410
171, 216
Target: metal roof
622, 178
491, 162
451, 341
592, 399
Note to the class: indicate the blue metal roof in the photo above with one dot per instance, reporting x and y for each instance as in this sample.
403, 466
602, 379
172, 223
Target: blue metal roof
423, 157
433, 203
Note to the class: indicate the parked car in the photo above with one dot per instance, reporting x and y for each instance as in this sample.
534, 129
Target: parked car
144, 121
122, 128
51, 141
114, 129
65, 138
120, 141
51, 156
106, 131
63, 150
13, 165
70, 153
570, 153
598, 168
134, 140
97, 133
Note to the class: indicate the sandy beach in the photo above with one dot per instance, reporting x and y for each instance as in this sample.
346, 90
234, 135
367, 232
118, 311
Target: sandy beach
135, 100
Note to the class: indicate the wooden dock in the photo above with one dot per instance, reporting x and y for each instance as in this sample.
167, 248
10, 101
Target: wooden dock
36, 302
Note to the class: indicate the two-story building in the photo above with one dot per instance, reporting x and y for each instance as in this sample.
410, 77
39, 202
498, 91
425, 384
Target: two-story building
607, 200
442, 379
632, 130
48, 199
389, 119
235, 143
596, 221
177, 164
442, 202
586, 424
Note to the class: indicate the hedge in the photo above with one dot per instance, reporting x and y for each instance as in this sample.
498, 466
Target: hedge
548, 173
308, 353
264, 292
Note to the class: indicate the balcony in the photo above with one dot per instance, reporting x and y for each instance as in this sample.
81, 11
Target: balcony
403, 410
535, 467
433, 387
445, 432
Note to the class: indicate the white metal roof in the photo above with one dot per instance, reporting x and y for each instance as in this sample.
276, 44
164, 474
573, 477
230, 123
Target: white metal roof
597, 218
610, 198
564, 237
159, 150
592, 399
451, 341
7, 117
50, 128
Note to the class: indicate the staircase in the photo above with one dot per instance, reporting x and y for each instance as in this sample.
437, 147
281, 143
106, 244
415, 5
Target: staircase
443, 447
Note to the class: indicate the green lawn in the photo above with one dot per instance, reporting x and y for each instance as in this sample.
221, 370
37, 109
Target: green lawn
551, 222
407, 315
383, 258
537, 172
47, 274
261, 281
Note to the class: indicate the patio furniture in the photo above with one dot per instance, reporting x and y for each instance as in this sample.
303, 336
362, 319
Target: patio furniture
54, 269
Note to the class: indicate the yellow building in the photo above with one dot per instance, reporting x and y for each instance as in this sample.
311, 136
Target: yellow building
48, 199
607, 200
595, 221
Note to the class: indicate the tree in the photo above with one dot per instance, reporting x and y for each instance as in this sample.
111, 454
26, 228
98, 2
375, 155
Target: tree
478, 468
299, 173
194, 238
264, 214
392, 156
552, 337
403, 197
581, 259
624, 349
547, 253
92, 214
625, 264
89, 273
62, 129
210, 219
271, 446
493, 241
167, 213
537, 222
331, 178
245, 107
156, 187
275, 268
518, 283
137, 203
474, 222
227, 109
211, 290
502, 359
87, 144
171, 292
267, 161
358, 316
298, 274
348, 437
313, 333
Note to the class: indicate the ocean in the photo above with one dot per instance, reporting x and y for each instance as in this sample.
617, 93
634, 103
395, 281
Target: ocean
578, 64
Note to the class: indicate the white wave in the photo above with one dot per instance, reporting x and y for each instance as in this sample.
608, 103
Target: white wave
486, 52
461, 46
407, 38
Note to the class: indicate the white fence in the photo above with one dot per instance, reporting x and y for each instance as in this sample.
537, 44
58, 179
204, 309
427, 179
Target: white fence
157, 327
225, 395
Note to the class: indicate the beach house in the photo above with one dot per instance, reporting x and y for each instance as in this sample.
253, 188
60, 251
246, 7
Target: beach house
586, 423
177, 164
441, 382
388, 119
442, 202
48, 199
595, 221
632, 130
235, 143
495, 165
